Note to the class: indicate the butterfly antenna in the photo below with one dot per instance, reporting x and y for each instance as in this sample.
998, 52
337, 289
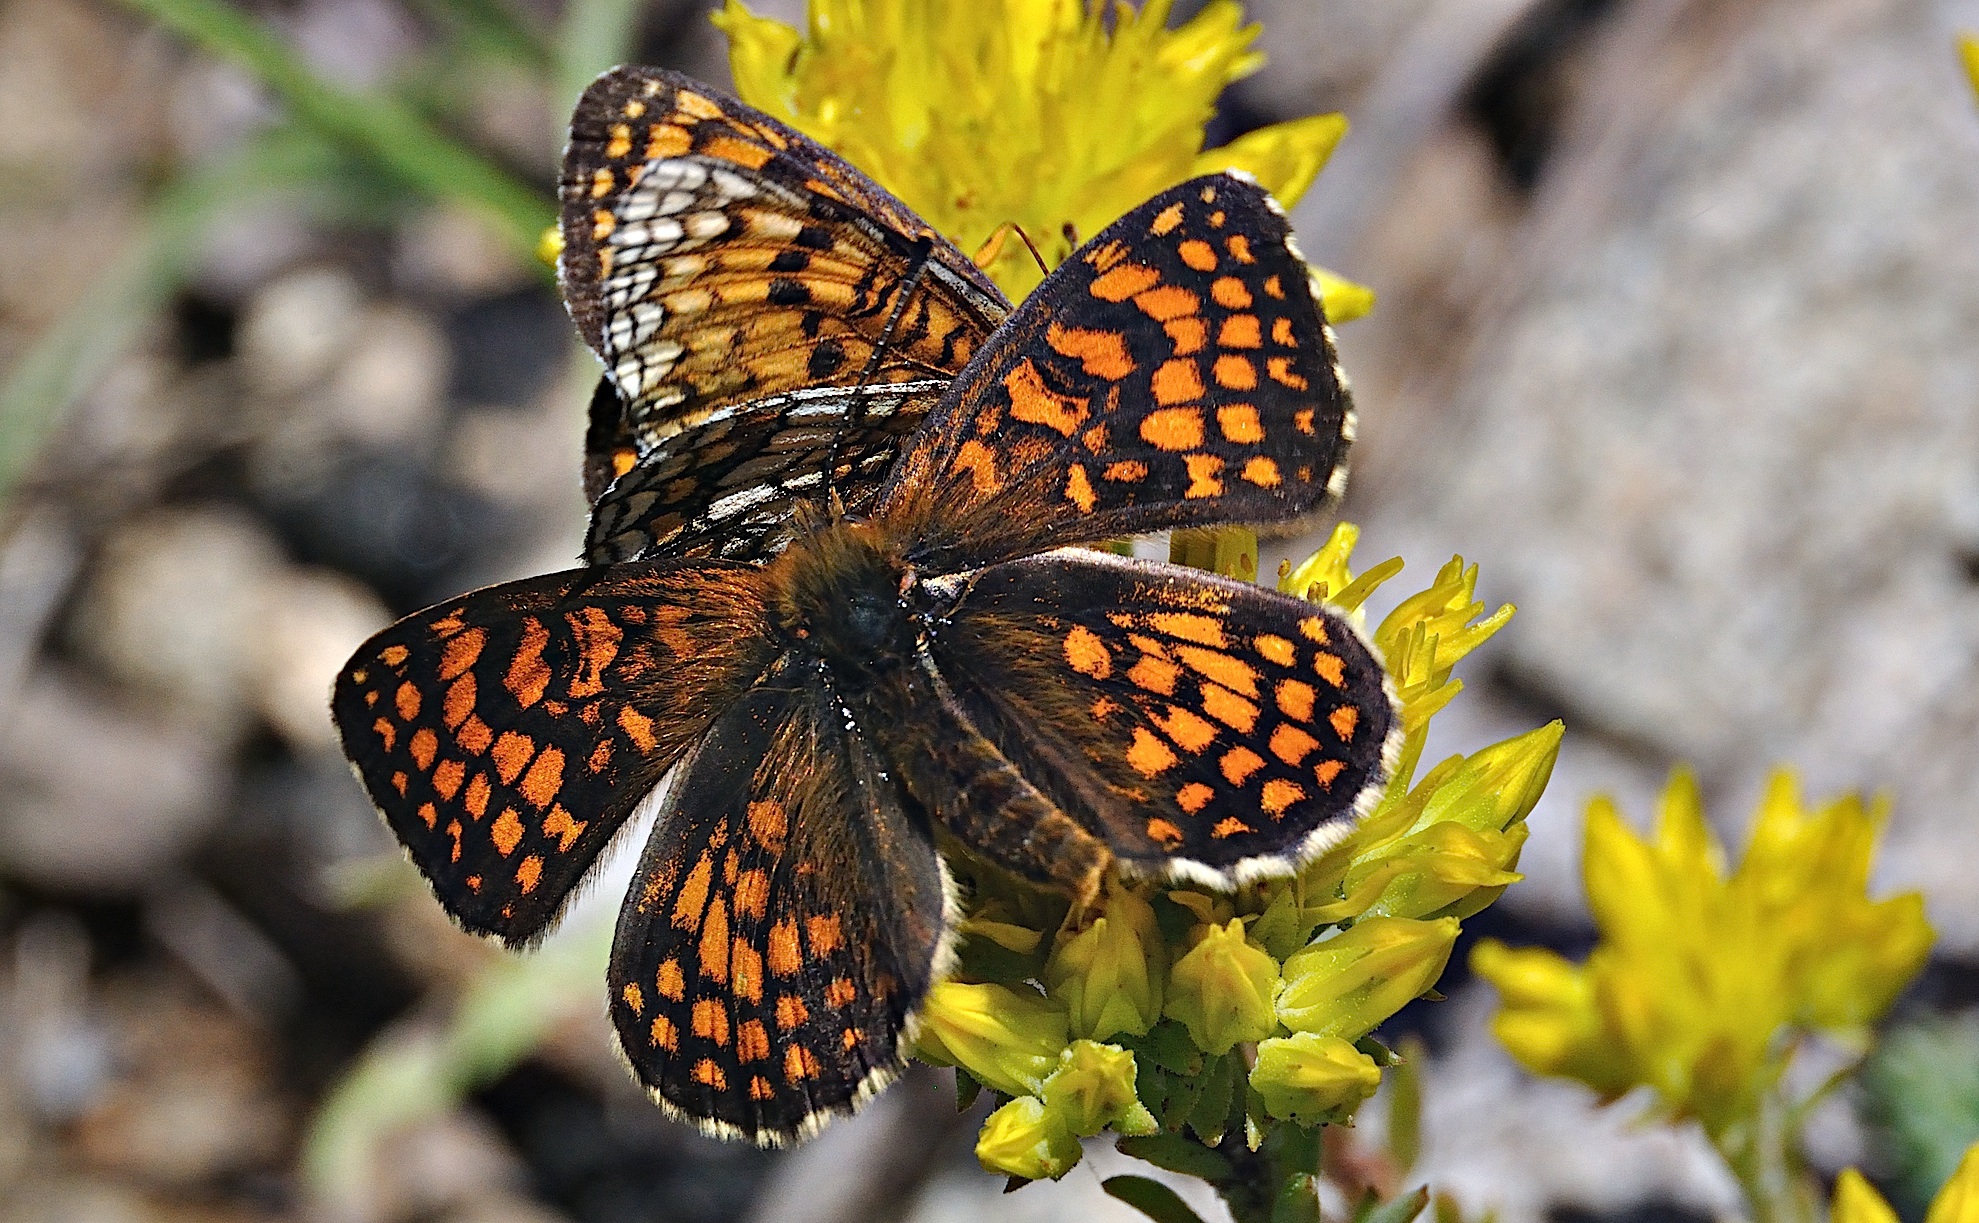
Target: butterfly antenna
1032, 247
923, 250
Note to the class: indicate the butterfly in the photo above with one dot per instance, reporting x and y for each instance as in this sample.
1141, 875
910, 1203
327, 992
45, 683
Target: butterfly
905, 646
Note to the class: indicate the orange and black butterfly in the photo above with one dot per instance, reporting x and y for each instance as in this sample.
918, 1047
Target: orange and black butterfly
922, 655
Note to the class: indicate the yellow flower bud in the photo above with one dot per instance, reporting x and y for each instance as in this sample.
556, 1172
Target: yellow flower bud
1093, 1089
1221, 989
1548, 1017
1024, 1138
1347, 985
1309, 1079
1958, 1201
1008, 1038
1856, 1201
1110, 976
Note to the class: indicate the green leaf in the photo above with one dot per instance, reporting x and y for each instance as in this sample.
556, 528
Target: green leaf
1178, 1154
1212, 1111
596, 35
380, 128
1298, 1201
967, 1088
1403, 1209
1152, 1198
1166, 1045
1405, 1105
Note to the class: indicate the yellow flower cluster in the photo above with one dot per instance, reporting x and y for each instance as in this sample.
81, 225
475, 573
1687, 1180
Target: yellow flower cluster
1856, 1200
1049, 115
1699, 976
1191, 1012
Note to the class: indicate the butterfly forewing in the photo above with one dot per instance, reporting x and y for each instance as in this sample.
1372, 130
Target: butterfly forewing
786, 919
506, 734
1175, 371
712, 255
726, 485
1201, 727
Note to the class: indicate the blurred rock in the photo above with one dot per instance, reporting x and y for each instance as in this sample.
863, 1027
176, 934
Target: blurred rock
1340, 46
294, 331
453, 251
1715, 433
99, 798
311, 622
386, 390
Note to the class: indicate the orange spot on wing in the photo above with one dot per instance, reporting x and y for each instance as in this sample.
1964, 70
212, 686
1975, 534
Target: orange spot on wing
1086, 653
791, 1011
1329, 668
1100, 353
1229, 708
597, 645
840, 992
799, 1063
1238, 764
1177, 381
407, 702
1326, 770
1079, 489
396, 654
1275, 649
634, 997
1189, 626
1239, 421
478, 791
768, 824
710, 1021
1189, 730
687, 102
1313, 629
459, 702
1148, 755
1173, 428
424, 746
760, 1089
710, 1075
1154, 675
1204, 470
1164, 832
386, 732
602, 225
1280, 369
1344, 720
1240, 248
1198, 254
474, 735
694, 894
429, 815
670, 981
1187, 334
506, 832
620, 142
544, 778
461, 651
638, 728
1032, 402
1262, 471
512, 752
1230, 293
1166, 220
1281, 332
528, 675
752, 893
1229, 826
1278, 795
528, 872
664, 1034
1194, 797
1291, 744
1129, 471
559, 824
1273, 288
752, 1041
822, 934
1239, 331
602, 182
786, 959
741, 152
1119, 283
1167, 303
1295, 698
714, 942
746, 966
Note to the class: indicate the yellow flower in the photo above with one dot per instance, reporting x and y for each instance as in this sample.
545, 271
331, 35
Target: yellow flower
1699, 973
1309, 1079
1347, 985
1024, 1138
1856, 1200
1093, 1089
1008, 1038
1221, 989
1968, 50
1110, 975
1046, 114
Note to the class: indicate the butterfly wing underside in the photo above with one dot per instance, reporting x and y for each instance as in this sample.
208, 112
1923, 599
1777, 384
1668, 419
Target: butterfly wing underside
506, 734
786, 919
1203, 728
1175, 371
713, 255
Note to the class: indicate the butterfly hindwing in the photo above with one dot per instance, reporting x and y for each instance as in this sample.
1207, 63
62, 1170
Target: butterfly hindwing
1175, 371
506, 734
786, 919
712, 255
726, 486
1203, 727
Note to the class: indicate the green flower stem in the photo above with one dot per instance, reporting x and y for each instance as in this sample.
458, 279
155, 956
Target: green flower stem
379, 128
1763, 1151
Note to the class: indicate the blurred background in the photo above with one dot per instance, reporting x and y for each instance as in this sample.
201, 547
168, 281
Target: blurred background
1679, 302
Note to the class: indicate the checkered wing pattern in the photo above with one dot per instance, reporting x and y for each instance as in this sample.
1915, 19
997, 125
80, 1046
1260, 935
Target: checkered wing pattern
1203, 728
787, 918
1175, 371
712, 255
727, 485
506, 734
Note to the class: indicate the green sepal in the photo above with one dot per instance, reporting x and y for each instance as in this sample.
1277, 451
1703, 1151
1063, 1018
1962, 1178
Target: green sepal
967, 1088
1152, 1198
1174, 1153
1211, 1114
1403, 1209
1298, 1201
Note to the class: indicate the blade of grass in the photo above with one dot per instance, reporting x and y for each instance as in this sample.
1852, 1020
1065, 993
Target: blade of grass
72, 354
377, 127
491, 27
596, 35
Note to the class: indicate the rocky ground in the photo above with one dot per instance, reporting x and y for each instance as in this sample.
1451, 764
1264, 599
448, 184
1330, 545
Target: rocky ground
1674, 339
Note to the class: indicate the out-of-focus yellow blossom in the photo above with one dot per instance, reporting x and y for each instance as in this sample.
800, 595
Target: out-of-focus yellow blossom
1308, 1079
1221, 989
1024, 1138
1007, 1038
1856, 1200
1046, 114
1346, 985
1968, 50
1699, 974
1110, 976
1093, 1090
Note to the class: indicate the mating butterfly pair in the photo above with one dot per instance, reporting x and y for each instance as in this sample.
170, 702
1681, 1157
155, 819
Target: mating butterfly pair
831, 468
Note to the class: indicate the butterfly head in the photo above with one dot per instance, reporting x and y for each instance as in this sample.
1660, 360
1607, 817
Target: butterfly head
845, 593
